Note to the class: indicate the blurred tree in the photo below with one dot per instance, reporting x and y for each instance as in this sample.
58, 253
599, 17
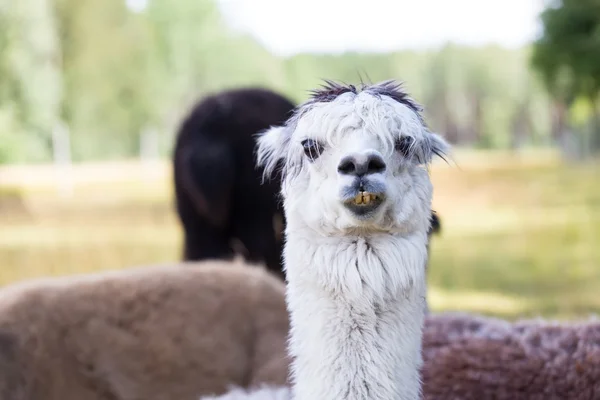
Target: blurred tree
479, 87
8, 90
186, 36
498, 80
568, 57
31, 87
408, 66
442, 83
105, 99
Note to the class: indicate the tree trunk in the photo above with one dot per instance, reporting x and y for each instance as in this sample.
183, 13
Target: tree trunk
450, 128
595, 127
566, 139
559, 121
476, 128
521, 126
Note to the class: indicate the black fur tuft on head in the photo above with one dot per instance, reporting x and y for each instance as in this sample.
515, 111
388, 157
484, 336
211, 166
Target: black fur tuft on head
330, 90
395, 91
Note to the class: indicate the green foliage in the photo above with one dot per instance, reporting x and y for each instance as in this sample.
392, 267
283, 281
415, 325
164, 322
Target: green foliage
30, 83
102, 51
568, 53
568, 59
9, 143
182, 37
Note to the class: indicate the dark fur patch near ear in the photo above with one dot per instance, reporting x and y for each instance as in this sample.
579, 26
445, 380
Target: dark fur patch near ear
436, 225
436, 146
422, 150
271, 152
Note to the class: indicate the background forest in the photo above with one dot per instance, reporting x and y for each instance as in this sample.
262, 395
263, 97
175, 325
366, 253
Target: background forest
120, 79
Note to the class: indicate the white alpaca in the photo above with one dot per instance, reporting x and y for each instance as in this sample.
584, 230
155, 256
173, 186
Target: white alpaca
357, 200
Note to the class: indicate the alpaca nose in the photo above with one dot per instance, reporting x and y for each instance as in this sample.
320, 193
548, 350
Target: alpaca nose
361, 165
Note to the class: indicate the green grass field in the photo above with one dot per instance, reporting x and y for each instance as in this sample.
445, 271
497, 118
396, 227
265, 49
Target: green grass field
520, 234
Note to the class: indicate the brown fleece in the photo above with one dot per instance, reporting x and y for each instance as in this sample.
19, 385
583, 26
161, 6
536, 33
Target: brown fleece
469, 357
472, 357
152, 333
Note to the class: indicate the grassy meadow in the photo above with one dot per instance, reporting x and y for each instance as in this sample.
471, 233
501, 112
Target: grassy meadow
520, 232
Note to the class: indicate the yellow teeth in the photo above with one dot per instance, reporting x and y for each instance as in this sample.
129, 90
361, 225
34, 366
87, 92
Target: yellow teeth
364, 198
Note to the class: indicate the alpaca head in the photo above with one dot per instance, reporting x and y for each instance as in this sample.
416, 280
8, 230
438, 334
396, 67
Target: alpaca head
353, 161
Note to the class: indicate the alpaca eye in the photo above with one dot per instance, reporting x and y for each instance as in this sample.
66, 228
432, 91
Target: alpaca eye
312, 148
403, 145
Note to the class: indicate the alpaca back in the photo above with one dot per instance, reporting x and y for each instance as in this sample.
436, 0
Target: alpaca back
475, 357
153, 333
218, 190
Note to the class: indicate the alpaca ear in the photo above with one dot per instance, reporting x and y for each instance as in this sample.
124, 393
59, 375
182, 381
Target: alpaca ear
429, 145
438, 146
272, 150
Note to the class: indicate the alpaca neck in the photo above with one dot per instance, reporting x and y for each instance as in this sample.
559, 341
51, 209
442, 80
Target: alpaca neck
356, 310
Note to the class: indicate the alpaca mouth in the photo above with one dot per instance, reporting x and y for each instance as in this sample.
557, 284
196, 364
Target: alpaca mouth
365, 198
363, 204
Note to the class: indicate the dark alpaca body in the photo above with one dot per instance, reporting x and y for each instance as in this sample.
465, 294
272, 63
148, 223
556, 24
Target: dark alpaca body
217, 186
436, 224
434, 229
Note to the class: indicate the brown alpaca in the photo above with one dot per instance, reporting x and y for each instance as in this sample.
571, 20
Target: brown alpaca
152, 333
469, 357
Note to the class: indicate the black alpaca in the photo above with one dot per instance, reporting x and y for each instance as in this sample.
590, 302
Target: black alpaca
219, 191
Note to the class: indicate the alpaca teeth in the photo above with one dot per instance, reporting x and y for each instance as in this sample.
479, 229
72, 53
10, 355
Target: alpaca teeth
364, 198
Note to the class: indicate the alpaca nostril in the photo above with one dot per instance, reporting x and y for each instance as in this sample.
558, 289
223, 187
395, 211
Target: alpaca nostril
347, 166
372, 165
375, 165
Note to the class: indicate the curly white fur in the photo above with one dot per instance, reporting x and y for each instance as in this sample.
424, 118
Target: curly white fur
355, 282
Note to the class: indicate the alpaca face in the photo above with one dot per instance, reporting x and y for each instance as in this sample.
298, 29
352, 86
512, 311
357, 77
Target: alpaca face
354, 161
